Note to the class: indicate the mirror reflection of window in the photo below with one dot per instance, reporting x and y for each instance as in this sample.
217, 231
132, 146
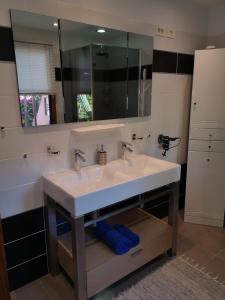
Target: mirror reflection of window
36, 82
36, 43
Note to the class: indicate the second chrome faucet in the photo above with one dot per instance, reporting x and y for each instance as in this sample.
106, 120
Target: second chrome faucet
78, 155
126, 147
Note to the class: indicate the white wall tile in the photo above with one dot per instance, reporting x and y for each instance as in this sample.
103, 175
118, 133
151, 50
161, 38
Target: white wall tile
20, 199
20, 171
14, 142
170, 112
10, 115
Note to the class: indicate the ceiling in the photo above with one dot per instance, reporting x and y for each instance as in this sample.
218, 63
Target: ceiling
209, 3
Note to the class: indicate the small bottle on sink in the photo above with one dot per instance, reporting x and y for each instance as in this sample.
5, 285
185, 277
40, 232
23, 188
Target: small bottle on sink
102, 156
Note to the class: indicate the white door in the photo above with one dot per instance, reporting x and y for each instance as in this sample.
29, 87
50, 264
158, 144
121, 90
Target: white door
205, 192
208, 94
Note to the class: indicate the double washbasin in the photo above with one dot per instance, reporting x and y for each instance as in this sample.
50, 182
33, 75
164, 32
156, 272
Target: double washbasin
95, 187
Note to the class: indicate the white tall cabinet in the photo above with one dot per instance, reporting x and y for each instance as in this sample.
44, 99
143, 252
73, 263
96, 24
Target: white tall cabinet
205, 189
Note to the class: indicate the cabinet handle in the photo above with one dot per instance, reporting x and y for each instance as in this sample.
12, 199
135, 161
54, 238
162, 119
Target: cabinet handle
209, 147
208, 159
194, 105
136, 252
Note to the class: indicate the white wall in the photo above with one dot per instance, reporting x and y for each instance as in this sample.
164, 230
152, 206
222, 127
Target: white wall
20, 187
216, 27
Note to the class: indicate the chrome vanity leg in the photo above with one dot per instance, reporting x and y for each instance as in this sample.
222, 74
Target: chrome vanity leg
79, 258
173, 214
51, 236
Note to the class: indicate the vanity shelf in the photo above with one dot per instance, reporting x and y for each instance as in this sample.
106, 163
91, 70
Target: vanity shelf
96, 128
103, 266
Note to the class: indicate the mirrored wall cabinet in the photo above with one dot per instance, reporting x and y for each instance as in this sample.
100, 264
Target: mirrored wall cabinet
75, 72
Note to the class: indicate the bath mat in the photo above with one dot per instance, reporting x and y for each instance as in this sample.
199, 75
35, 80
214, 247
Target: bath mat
174, 280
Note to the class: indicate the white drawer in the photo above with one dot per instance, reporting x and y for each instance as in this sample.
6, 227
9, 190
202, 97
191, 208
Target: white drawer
200, 145
207, 146
218, 146
207, 134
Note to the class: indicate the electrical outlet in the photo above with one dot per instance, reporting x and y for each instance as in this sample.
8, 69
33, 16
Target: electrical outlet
170, 33
160, 31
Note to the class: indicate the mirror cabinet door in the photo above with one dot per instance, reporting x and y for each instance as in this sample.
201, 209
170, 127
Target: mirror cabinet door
140, 61
94, 63
36, 43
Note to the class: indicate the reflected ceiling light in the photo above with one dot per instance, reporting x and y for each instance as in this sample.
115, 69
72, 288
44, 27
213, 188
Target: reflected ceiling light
55, 24
101, 30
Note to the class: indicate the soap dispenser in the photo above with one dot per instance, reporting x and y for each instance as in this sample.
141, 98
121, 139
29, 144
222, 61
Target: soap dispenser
102, 156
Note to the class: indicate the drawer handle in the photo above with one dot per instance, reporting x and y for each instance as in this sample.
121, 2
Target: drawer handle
135, 253
209, 147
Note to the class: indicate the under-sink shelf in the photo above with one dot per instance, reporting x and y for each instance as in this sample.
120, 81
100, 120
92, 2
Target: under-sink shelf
96, 128
103, 266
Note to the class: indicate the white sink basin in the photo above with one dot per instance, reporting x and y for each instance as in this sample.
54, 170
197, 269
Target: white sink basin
95, 187
140, 165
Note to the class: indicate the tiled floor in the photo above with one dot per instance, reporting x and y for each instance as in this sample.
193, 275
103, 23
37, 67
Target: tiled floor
201, 246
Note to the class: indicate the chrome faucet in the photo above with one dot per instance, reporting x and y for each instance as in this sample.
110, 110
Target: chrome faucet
78, 155
126, 147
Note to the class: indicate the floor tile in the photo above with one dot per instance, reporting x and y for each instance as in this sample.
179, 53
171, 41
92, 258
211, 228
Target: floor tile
199, 256
221, 255
216, 267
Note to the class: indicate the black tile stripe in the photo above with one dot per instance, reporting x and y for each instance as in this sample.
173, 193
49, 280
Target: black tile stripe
159, 211
23, 224
164, 61
58, 76
25, 249
59, 219
6, 45
27, 272
172, 62
73, 74
63, 228
185, 64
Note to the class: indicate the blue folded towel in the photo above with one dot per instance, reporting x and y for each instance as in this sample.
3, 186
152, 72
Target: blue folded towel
133, 237
113, 238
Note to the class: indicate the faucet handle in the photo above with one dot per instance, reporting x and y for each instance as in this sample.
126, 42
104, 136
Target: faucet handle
78, 151
125, 144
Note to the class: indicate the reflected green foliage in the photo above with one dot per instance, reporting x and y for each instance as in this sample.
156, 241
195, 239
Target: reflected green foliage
84, 107
29, 105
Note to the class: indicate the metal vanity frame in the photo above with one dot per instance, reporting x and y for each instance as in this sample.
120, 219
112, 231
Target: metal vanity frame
78, 234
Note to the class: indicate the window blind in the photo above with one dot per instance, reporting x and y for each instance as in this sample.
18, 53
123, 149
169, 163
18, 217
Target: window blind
35, 68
